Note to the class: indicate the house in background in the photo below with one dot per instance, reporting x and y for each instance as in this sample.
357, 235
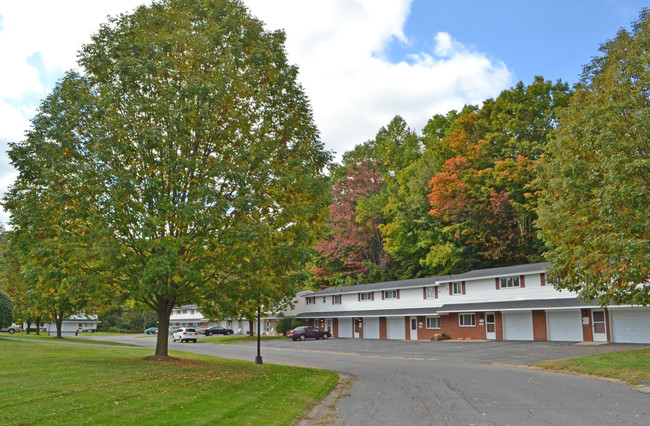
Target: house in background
508, 303
189, 315
74, 324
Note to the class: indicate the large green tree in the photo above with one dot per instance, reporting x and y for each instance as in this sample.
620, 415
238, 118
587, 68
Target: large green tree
6, 310
594, 210
195, 145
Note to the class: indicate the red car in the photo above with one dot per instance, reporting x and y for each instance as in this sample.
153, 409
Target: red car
306, 332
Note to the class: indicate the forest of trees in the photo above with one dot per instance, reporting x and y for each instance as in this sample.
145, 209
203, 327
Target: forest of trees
542, 172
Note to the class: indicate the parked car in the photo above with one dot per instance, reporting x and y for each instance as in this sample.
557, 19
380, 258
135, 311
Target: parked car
151, 330
185, 334
306, 332
13, 328
217, 329
173, 329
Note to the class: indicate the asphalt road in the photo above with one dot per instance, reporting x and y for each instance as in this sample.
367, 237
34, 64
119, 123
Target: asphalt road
452, 383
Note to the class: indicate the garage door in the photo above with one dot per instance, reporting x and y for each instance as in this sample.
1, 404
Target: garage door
371, 328
564, 326
630, 326
396, 328
345, 327
518, 325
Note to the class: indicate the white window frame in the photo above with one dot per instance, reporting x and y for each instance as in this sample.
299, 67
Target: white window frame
336, 299
390, 294
456, 287
365, 297
510, 282
311, 300
431, 292
431, 323
463, 318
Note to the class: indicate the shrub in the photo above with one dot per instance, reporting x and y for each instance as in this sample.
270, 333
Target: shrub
284, 325
6, 310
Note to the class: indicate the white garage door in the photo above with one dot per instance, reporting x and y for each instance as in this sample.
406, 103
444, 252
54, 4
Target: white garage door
371, 328
630, 326
396, 328
345, 327
518, 325
564, 326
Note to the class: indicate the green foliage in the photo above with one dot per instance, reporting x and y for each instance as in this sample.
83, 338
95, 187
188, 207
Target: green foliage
594, 210
6, 310
297, 322
126, 319
284, 324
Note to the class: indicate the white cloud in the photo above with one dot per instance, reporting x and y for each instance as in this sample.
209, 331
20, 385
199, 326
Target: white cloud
339, 46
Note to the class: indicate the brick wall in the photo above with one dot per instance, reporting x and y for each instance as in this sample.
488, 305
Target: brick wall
539, 325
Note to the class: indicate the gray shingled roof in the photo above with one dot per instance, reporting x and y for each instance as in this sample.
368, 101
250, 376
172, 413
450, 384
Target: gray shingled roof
387, 285
514, 305
429, 281
496, 272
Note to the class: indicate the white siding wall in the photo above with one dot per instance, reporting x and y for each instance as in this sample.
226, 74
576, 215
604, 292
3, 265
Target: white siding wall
476, 291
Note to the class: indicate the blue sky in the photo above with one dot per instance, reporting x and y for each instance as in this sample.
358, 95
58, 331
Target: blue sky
361, 61
550, 38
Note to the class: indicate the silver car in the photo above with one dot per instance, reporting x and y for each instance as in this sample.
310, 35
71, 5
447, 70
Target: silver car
185, 334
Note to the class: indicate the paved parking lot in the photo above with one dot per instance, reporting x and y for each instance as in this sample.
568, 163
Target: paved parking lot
451, 382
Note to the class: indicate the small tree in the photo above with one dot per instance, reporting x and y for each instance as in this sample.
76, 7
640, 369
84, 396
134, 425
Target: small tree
6, 310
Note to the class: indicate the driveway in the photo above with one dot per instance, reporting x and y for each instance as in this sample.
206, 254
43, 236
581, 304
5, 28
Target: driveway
453, 383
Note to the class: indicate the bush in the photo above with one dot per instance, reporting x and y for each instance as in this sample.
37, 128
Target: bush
6, 310
284, 325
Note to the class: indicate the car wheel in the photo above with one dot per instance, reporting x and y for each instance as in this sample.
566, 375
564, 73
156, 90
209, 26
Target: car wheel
208, 334
294, 339
326, 336
302, 337
230, 332
194, 340
12, 331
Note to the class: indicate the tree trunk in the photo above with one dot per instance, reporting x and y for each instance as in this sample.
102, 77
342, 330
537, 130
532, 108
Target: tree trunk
59, 325
165, 307
29, 324
38, 326
251, 327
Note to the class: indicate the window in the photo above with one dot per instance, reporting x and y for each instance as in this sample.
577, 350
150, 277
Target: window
467, 320
431, 292
509, 282
433, 322
336, 299
365, 296
457, 288
311, 300
390, 294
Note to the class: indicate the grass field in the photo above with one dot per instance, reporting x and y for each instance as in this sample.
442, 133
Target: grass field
629, 366
65, 338
44, 383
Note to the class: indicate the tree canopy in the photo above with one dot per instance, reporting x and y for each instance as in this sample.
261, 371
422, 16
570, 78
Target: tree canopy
184, 146
594, 209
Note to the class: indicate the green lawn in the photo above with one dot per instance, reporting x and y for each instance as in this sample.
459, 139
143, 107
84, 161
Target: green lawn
77, 384
65, 338
630, 366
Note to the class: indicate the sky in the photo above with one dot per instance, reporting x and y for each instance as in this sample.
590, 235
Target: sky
361, 62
